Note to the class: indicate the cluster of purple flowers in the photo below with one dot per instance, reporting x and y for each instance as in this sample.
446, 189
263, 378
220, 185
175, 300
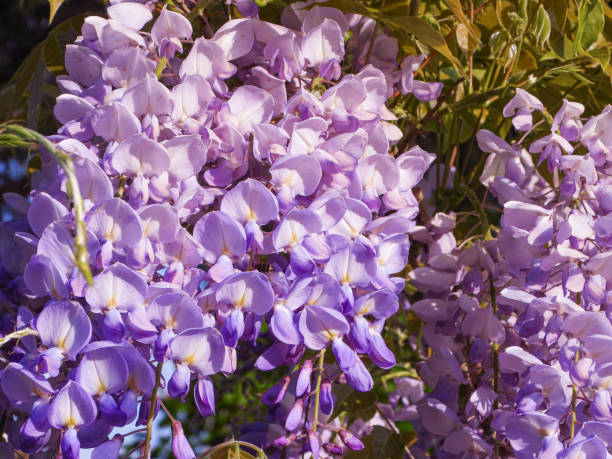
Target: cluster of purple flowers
517, 329
242, 182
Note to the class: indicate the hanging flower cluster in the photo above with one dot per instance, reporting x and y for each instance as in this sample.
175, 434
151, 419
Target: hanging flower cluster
517, 326
231, 185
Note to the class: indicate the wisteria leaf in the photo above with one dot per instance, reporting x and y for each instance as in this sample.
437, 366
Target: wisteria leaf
230, 451
53, 7
591, 22
423, 32
380, 443
48, 55
457, 9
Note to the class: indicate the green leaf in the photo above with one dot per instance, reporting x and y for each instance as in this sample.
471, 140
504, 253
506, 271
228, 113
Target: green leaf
27, 82
230, 452
591, 22
53, 7
233, 450
457, 9
349, 6
36, 93
54, 46
423, 32
356, 404
540, 28
14, 91
396, 7
381, 443
526, 61
487, 18
13, 141
465, 40
558, 12
601, 55
477, 99
401, 27
564, 48
197, 10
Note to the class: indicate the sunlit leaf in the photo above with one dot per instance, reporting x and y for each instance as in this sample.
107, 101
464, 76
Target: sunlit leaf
559, 13
230, 452
199, 8
457, 9
601, 55
540, 27
564, 48
396, 7
477, 99
487, 18
53, 7
424, 33
465, 39
590, 24
526, 61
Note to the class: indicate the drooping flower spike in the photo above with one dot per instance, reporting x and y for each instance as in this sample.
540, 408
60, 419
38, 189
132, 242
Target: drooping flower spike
239, 191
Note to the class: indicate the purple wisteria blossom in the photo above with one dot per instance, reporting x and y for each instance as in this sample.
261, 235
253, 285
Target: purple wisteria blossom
240, 197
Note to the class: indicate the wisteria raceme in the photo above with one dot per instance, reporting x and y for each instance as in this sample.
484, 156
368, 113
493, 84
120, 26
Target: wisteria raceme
520, 318
229, 182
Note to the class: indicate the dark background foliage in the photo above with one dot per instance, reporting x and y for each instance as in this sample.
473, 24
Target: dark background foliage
23, 25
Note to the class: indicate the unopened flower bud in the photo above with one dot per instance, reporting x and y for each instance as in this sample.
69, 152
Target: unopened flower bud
313, 443
351, 440
303, 380
180, 446
295, 415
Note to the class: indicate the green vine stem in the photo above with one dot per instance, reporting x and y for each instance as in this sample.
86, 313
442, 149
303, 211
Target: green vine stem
573, 405
72, 188
315, 419
496, 371
147, 443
